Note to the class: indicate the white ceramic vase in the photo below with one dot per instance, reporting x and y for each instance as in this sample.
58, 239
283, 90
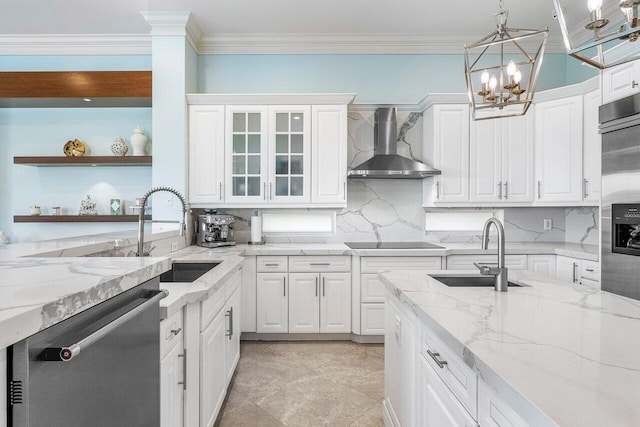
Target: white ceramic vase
138, 142
119, 147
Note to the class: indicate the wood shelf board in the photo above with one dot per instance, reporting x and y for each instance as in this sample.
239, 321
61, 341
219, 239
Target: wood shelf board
83, 161
77, 218
49, 89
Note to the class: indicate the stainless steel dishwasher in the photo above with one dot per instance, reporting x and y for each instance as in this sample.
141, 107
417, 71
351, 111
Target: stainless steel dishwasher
100, 367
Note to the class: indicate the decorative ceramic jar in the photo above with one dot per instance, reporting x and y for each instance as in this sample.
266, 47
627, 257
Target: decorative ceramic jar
35, 210
88, 207
138, 142
119, 147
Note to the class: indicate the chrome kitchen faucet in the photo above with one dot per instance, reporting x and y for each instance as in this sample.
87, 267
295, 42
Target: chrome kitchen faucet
500, 272
183, 224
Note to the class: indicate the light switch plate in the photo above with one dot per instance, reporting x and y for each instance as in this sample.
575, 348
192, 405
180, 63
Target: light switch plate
547, 224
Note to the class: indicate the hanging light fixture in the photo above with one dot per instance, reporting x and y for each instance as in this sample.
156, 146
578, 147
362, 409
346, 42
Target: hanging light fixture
601, 35
501, 75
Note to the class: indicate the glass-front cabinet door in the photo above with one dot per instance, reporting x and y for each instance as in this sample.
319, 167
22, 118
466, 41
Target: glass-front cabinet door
289, 154
246, 161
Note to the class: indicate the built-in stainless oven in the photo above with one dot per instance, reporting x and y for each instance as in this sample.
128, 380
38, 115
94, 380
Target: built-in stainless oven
620, 211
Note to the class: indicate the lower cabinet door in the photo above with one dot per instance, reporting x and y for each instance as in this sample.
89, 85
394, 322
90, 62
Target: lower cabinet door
272, 310
304, 303
495, 412
568, 269
372, 319
335, 302
213, 376
171, 388
437, 405
232, 343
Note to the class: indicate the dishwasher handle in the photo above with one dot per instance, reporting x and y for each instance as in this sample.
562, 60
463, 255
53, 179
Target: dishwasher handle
65, 354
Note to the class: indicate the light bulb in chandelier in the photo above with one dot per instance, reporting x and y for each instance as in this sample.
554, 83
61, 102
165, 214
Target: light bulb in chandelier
517, 90
511, 72
484, 79
595, 8
630, 10
594, 5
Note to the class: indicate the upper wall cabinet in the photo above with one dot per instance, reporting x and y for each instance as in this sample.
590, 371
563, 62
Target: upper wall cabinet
558, 151
501, 160
620, 81
285, 155
446, 147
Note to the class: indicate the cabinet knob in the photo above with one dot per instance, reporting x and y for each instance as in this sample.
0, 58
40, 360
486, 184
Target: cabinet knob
634, 84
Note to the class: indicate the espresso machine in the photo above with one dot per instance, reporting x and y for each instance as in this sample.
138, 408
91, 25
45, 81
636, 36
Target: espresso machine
214, 230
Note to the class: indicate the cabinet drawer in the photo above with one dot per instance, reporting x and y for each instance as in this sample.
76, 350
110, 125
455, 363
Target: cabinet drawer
271, 264
465, 262
170, 333
590, 270
233, 283
210, 307
314, 264
494, 412
372, 319
375, 264
372, 288
462, 381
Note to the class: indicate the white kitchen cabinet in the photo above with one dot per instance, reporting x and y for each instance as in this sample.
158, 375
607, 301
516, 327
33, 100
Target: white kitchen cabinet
400, 358
172, 388
495, 412
232, 311
465, 262
446, 147
501, 160
246, 159
329, 154
558, 151
206, 153
372, 319
335, 303
304, 303
272, 309
438, 407
542, 264
620, 81
213, 375
568, 269
592, 162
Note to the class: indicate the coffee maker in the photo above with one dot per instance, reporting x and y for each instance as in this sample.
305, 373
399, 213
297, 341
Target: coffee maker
214, 230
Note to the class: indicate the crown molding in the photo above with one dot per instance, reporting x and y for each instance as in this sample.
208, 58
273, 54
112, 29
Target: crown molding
179, 23
312, 43
567, 91
443, 98
270, 98
368, 107
75, 44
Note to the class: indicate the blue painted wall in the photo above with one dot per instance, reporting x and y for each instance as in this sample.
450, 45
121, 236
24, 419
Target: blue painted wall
374, 78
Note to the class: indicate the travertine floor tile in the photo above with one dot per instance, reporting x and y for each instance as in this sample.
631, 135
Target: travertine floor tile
307, 384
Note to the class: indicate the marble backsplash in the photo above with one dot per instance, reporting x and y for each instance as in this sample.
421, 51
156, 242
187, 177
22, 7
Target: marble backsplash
391, 210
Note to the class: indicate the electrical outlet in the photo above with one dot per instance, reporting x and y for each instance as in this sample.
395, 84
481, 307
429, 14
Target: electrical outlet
174, 246
548, 224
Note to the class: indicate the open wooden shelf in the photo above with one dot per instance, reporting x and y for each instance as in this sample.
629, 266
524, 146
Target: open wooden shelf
77, 218
49, 89
83, 161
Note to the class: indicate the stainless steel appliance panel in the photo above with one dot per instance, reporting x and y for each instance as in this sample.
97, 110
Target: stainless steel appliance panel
114, 381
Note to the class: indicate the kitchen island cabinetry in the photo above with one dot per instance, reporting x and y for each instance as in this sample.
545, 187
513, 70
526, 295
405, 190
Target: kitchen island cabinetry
172, 372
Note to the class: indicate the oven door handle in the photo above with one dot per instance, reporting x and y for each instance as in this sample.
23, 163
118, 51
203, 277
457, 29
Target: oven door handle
65, 354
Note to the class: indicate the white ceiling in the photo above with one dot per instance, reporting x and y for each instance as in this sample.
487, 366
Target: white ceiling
427, 22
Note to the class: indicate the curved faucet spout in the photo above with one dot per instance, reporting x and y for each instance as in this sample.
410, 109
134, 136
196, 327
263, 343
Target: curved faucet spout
500, 272
183, 224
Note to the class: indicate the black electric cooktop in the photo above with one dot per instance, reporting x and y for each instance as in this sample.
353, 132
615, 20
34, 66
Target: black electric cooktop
392, 245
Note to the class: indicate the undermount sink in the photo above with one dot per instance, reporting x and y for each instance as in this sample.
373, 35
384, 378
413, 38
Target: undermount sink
470, 281
186, 272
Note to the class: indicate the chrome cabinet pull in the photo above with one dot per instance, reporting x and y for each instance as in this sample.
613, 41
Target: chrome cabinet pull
271, 191
634, 84
436, 358
264, 190
585, 183
324, 264
345, 191
590, 270
184, 369
575, 267
220, 190
500, 190
284, 286
316, 286
176, 331
539, 189
271, 264
65, 354
438, 190
506, 190
229, 314
323, 287
230, 322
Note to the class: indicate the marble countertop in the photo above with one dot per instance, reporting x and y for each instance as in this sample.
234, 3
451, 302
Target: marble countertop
556, 352
36, 293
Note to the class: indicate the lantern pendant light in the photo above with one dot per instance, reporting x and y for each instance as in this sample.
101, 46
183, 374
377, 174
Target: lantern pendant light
496, 65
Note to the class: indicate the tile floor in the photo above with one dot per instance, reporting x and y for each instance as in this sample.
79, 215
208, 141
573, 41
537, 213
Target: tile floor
306, 384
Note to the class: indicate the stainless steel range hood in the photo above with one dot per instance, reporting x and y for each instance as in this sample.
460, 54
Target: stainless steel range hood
386, 163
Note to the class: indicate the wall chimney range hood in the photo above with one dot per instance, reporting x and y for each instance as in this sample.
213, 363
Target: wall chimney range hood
386, 163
